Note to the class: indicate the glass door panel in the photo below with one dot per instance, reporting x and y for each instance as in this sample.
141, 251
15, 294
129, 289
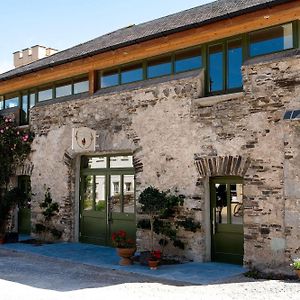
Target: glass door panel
100, 194
221, 204
236, 203
128, 192
88, 192
216, 68
115, 193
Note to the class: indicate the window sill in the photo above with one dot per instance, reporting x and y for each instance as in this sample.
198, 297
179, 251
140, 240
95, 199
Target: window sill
212, 100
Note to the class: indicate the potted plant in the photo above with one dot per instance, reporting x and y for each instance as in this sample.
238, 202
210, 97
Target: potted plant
154, 259
125, 247
296, 265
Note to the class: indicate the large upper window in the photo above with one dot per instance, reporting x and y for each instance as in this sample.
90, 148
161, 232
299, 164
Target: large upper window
81, 86
110, 78
216, 68
63, 90
132, 74
271, 40
234, 64
45, 94
11, 101
159, 67
187, 61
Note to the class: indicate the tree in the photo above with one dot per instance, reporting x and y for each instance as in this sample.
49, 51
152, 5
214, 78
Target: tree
15, 145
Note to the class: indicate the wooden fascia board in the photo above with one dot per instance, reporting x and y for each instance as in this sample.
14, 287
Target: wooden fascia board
207, 33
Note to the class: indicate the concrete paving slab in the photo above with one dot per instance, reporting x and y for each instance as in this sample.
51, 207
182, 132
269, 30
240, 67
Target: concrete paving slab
106, 257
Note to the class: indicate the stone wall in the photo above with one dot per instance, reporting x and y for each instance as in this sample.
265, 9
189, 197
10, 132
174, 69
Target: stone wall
164, 125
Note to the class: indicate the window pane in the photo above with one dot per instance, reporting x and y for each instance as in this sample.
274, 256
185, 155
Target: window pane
81, 87
109, 79
100, 202
236, 198
128, 191
221, 205
1, 104
121, 162
159, 68
216, 77
45, 95
88, 192
64, 90
234, 61
32, 97
115, 193
188, 61
24, 107
272, 39
12, 102
93, 162
131, 74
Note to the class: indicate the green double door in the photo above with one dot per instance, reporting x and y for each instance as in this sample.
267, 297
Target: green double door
227, 237
107, 204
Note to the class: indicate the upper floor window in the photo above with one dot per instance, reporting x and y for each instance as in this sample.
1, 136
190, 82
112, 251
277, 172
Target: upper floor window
159, 67
45, 94
188, 60
81, 86
63, 90
271, 40
131, 74
11, 101
109, 78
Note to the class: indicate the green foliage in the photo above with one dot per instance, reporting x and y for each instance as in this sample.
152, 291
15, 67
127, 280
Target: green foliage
189, 224
296, 263
15, 145
162, 208
49, 210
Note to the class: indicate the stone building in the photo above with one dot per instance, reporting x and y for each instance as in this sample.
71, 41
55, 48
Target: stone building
205, 103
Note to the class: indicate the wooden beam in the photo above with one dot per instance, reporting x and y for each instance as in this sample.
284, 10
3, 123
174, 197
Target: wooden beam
222, 29
92, 82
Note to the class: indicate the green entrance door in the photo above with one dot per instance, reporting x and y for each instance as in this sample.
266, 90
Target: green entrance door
227, 238
107, 201
24, 212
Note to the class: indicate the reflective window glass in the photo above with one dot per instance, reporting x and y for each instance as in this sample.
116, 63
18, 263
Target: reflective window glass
221, 204
1, 104
81, 87
64, 90
100, 202
215, 61
234, 64
12, 102
131, 74
93, 162
109, 79
45, 95
24, 109
236, 201
128, 192
159, 67
121, 162
88, 194
32, 98
115, 192
188, 61
271, 40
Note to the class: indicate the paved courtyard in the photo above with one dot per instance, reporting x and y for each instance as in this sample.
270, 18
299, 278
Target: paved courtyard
24, 275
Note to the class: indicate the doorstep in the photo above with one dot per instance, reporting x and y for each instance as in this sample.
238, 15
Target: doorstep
106, 257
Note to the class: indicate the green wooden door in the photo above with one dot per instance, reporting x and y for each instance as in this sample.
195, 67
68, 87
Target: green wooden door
24, 212
227, 235
107, 203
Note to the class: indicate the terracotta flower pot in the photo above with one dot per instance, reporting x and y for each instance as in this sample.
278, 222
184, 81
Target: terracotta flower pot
153, 264
298, 273
125, 254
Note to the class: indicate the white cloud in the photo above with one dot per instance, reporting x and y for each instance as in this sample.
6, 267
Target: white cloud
5, 66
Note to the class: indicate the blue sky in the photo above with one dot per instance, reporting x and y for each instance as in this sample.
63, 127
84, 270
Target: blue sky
61, 24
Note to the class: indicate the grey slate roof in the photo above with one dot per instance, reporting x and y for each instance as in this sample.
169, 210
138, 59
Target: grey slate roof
183, 20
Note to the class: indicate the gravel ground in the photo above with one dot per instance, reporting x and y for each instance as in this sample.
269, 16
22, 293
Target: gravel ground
26, 276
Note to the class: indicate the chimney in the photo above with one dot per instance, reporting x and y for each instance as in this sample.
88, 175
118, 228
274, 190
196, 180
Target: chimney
26, 56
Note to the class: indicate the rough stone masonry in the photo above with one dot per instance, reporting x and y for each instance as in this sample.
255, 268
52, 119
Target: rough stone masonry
166, 124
